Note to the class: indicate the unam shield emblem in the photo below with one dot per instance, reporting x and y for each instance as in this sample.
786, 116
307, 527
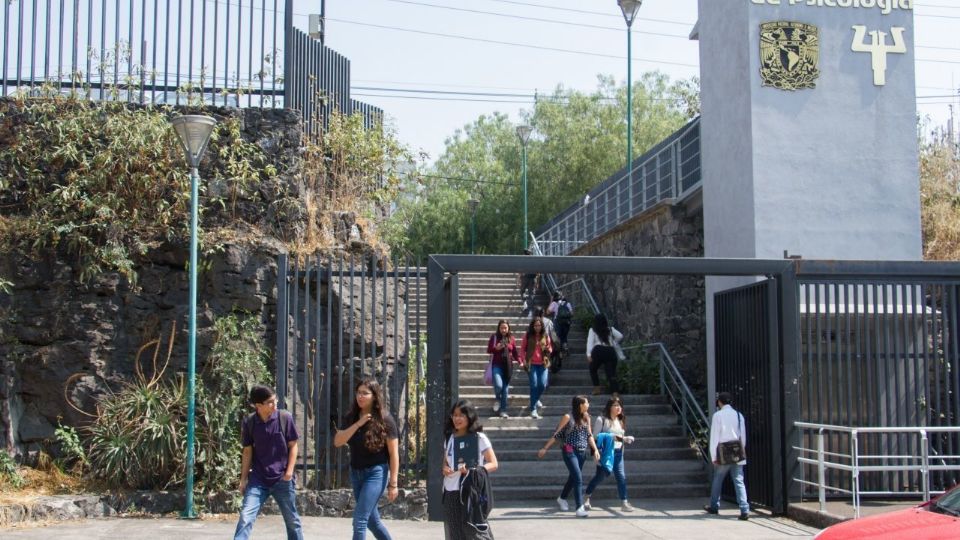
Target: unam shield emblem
789, 54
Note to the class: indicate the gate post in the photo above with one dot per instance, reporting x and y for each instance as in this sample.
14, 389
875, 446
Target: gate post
790, 380
438, 316
283, 268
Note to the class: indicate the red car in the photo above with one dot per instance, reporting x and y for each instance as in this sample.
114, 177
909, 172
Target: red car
935, 520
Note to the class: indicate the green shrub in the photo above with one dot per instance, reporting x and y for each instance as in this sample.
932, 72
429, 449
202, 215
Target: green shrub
639, 373
583, 316
9, 473
138, 439
70, 447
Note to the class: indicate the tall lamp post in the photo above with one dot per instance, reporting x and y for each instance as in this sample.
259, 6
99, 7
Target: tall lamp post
523, 133
629, 9
194, 132
473, 204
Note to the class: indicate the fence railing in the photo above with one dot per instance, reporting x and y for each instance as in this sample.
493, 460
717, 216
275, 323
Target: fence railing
231, 53
685, 404
863, 457
337, 321
668, 172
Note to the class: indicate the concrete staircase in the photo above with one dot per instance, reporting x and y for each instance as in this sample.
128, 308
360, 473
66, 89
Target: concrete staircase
661, 460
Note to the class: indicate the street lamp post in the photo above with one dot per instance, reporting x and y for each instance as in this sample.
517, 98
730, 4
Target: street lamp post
194, 132
523, 133
473, 204
629, 9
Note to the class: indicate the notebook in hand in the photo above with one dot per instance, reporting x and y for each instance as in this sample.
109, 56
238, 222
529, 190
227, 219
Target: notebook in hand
466, 451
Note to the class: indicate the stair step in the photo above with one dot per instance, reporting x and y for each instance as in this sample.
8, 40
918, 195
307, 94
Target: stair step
605, 491
533, 442
631, 453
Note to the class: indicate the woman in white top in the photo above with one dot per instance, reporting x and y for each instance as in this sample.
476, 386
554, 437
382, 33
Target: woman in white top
612, 421
603, 350
463, 421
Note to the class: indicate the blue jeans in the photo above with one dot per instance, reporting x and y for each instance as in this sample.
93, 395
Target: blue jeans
368, 486
283, 492
500, 387
574, 462
736, 474
618, 473
538, 383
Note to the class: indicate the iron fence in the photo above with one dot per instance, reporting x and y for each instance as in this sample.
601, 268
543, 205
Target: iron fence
882, 352
670, 171
340, 320
747, 359
231, 53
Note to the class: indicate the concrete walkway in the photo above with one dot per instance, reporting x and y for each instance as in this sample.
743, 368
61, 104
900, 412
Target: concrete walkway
665, 519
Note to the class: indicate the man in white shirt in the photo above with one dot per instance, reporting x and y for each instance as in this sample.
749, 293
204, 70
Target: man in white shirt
727, 425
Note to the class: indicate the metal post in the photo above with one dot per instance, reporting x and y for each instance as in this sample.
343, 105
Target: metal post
437, 318
188, 511
473, 232
524, 167
629, 120
855, 461
925, 466
821, 473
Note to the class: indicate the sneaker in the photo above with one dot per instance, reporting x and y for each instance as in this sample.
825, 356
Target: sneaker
564, 507
626, 507
582, 512
710, 510
503, 414
534, 414
586, 503
539, 404
744, 517
496, 407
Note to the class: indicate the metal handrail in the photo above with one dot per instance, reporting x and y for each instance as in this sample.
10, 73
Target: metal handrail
551, 282
682, 399
659, 176
851, 463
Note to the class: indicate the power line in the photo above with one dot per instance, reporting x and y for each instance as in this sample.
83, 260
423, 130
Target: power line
588, 12
537, 19
545, 97
512, 44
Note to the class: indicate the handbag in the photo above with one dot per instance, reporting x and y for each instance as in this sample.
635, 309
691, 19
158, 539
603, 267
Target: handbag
731, 452
488, 374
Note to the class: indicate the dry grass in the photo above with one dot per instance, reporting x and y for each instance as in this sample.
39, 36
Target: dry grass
940, 202
40, 483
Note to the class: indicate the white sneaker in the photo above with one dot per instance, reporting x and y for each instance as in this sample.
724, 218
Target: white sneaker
496, 407
539, 404
586, 503
503, 414
626, 507
582, 512
564, 507
534, 414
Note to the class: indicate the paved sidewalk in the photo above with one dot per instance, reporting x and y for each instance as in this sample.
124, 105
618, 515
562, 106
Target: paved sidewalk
666, 519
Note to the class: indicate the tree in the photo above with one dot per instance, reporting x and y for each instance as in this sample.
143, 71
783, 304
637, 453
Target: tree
578, 143
940, 198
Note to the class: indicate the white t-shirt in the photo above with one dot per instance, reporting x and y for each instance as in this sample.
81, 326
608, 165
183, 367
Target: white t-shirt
451, 482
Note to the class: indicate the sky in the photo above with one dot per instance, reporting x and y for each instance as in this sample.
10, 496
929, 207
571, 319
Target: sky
403, 52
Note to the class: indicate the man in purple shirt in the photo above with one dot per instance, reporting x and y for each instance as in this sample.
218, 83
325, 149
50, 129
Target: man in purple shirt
269, 439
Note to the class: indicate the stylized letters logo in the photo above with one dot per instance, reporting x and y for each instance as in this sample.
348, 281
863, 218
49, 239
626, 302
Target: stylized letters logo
878, 49
789, 54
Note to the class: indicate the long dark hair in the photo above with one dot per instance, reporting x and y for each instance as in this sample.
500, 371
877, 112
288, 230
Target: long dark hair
615, 400
468, 410
376, 435
576, 415
601, 328
497, 332
532, 339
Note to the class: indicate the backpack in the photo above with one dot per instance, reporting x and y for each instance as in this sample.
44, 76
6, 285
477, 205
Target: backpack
285, 419
564, 313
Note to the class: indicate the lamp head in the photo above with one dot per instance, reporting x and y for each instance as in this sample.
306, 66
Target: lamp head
473, 204
629, 9
523, 132
194, 131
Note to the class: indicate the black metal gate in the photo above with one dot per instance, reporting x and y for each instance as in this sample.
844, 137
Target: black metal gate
748, 366
340, 320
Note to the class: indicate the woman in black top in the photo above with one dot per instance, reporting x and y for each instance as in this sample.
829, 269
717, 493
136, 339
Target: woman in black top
372, 435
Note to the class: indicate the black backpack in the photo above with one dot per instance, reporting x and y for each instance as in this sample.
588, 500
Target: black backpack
564, 313
285, 419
